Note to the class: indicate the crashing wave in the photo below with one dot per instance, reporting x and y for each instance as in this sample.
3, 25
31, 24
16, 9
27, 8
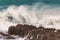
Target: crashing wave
38, 14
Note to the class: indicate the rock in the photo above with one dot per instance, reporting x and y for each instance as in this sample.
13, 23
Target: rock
9, 37
33, 33
4, 34
11, 30
20, 29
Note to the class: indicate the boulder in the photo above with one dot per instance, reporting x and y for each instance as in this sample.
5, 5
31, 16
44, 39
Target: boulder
11, 30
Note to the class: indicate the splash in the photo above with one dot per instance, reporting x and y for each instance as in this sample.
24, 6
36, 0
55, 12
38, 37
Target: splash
37, 14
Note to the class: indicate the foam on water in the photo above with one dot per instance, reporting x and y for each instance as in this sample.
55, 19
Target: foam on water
37, 14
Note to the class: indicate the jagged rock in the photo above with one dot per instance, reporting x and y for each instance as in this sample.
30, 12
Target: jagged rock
4, 34
20, 29
34, 33
11, 30
9, 37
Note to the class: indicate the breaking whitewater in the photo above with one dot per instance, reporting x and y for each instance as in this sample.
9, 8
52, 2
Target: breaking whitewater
38, 14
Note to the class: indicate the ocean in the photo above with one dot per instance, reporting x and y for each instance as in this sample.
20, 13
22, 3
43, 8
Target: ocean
31, 12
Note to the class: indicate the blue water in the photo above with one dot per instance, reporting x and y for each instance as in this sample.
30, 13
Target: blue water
28, 2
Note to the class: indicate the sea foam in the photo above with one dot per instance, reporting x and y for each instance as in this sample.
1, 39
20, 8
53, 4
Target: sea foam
37, 14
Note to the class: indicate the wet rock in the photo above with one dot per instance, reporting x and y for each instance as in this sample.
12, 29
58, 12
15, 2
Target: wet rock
11, 30
20, 29
34, 33
4, 34
9, 37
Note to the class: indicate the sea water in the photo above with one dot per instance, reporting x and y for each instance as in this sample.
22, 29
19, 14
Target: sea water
31, 12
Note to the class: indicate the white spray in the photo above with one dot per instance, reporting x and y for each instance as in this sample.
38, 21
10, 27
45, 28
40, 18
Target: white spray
37, 15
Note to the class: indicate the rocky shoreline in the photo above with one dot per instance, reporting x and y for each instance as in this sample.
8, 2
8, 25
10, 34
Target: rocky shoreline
32, 32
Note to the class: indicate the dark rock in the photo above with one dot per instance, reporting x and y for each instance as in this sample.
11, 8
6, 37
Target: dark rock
11, 30
39, 33
9, 37
49, 30
4, 34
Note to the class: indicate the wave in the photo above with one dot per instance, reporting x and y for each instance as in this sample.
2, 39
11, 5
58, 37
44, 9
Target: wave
36, 14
